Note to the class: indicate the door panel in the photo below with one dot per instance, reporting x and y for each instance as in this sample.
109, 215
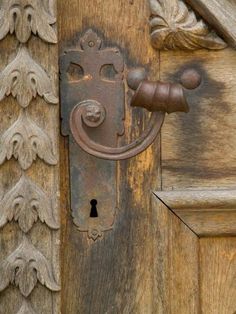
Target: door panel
171, 248
218, 269
176, 264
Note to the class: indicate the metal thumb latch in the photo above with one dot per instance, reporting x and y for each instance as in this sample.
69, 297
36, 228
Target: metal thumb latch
96, 84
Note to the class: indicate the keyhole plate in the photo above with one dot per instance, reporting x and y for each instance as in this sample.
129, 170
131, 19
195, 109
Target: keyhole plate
94, 72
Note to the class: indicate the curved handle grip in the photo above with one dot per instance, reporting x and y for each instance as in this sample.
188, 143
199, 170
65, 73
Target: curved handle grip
157, 97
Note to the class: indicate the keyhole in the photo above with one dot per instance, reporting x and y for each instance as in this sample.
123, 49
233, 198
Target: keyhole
93, 212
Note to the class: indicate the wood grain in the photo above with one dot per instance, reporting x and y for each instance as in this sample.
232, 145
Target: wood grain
176, 284
43, 249
112, 274
206, 212
198, 148
221, 14
218, 272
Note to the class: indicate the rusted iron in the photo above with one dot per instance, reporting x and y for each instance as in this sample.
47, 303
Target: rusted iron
92, 79
158, 96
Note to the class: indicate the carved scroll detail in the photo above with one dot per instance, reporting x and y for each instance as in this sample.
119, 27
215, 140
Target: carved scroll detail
25, 267
26, 308
25, 203
24, 17
24, 141
24, 79
175, 26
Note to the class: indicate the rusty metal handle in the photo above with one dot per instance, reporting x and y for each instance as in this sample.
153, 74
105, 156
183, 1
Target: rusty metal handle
76, 124
157, 97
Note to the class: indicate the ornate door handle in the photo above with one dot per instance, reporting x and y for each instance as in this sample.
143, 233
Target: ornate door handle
96, 86
101, 83
157, 97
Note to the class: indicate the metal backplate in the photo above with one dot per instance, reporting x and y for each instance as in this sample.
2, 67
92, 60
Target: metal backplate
91, 72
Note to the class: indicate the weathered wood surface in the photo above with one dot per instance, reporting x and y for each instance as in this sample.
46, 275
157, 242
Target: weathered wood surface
217, 276
111, 275
206, 212
149, 262
220, 14
198, 148
29, 176
176, 264
175, 26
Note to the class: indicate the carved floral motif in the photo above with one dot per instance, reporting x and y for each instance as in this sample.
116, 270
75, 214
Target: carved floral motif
24, 79
24, 141
175, 26
24, 17
24, 268
25, 203
26, 308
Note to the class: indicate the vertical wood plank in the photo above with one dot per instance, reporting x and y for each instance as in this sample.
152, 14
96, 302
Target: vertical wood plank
176, 274
114, 274
218, 273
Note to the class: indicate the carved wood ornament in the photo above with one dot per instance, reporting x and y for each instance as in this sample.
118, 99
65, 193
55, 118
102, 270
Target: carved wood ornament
26, 308
24, 141
27, 203
175, 26
24, 17
25, 267
24, 79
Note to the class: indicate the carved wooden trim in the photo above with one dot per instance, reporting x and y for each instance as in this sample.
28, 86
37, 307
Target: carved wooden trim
26, 203
26, 308
25, 267
24, 79
219, 14
206, 212
24, 141
25, 16
175, 26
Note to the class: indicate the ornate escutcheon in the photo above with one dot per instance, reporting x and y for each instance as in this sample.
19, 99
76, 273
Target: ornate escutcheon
94, 80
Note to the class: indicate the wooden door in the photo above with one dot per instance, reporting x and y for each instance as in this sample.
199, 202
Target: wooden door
155, 233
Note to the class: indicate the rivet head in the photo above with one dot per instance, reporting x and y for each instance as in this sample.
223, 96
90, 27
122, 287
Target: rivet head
191, 79
135, 77
93, 114
91, 43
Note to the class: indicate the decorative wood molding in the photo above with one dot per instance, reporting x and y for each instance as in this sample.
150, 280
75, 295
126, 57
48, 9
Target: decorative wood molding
24, 268
26, 203
24, 79
26, 308
219, 14
24, 141
24, 17
175, 26
206, 212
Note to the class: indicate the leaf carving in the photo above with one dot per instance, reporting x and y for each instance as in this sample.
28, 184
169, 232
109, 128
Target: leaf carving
24, 268
26, 308
175, 26
24, 17
24, 141
24, 79
25, 203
